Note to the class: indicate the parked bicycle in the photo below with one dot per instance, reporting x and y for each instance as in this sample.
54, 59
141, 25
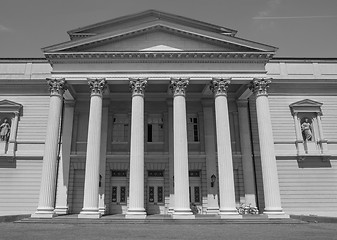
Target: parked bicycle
247, 209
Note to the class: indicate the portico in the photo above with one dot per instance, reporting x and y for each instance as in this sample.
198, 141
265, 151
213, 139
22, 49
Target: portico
177, 140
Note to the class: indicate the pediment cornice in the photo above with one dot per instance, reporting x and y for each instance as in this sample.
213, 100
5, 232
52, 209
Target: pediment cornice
148, 16
201, 35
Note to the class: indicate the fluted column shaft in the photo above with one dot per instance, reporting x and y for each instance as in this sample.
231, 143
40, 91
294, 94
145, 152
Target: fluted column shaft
180, 151
224, 149
136, 197
268, 160
48, 180
91, 183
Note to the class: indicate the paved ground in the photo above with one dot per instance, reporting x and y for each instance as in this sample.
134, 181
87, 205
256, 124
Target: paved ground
18, 231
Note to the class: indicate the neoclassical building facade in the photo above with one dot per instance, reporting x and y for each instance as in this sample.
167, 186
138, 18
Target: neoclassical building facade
155, 113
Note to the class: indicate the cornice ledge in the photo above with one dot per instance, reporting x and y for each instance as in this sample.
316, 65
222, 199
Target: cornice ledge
168, 56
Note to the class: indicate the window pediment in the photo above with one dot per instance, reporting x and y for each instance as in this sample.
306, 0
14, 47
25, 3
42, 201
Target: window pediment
306, 105
7, 106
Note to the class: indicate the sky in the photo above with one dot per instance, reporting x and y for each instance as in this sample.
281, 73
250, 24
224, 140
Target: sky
299, 28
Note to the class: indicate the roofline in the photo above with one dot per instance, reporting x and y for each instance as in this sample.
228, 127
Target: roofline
149, 26
274, 59
219, 29
35, 60
303, 59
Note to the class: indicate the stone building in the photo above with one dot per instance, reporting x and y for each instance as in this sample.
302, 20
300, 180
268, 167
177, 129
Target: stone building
155, 113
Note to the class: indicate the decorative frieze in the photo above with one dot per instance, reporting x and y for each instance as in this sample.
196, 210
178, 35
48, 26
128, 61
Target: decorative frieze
260, 86
57, 86
137, 86
178, 86
97, 85
219, 86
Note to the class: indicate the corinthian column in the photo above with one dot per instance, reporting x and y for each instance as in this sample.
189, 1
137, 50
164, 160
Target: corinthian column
48, 180
180, 151
268, 160
136, 198
224, 149
91, 184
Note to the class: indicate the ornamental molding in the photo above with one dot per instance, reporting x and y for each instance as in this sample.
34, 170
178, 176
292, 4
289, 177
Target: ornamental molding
164, 57
97, 86
57, 86
178, 86
219, 86
137, 86
259, 86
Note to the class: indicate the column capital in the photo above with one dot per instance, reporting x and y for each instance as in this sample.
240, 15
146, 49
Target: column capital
97, 86
219, 86
57, 86
137, 86
259, 86
178, 86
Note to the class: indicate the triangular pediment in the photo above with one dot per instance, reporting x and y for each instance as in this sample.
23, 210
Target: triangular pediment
9, 106
149, 16
157, 38
306, 103
306, 106
156, 34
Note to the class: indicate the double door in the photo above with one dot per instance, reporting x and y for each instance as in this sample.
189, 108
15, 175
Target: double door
118, 202
155, 196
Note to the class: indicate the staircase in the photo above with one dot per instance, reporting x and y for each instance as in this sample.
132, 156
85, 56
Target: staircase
161, 219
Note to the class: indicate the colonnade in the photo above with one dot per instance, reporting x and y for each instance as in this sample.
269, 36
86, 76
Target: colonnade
181, 207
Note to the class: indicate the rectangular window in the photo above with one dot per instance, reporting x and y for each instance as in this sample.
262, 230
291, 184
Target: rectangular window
160, 194
155, 129
120, 128
196, 194
123, 199
193, 129
114, 194
151, 194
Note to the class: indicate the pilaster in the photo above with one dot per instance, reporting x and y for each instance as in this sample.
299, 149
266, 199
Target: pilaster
210, 150
63, 171
246, 153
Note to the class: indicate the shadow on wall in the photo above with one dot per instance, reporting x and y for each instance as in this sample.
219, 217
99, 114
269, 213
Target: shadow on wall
7, 162
314, 162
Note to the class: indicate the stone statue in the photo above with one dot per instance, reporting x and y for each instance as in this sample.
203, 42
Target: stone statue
5, 130
306, 130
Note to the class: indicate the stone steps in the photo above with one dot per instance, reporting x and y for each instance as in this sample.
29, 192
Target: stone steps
160, 219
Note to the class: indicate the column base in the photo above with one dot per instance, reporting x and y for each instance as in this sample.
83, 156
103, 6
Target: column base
136, 214
44, 214
89, 214
183, 214
61, 210
276, 214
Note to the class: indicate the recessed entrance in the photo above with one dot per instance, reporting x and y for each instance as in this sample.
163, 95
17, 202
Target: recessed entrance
155, 193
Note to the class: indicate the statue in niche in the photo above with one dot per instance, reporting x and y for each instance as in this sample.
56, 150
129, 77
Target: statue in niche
306, 130
5, 130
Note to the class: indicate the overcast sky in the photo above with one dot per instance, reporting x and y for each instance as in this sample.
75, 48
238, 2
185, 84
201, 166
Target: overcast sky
299, 28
